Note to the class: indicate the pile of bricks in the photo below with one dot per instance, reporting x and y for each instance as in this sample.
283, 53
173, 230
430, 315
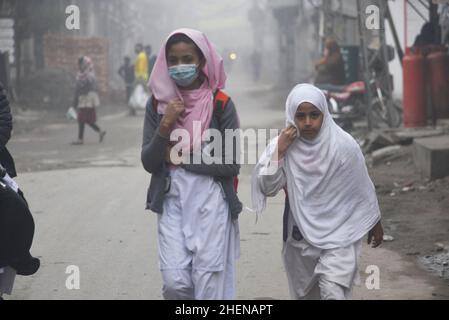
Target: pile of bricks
62, 52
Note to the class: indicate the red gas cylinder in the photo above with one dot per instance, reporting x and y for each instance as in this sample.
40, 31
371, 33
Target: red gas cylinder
438, 68
414, 91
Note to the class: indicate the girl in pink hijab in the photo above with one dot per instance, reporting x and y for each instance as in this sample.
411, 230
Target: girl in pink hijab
197, 205
186, 76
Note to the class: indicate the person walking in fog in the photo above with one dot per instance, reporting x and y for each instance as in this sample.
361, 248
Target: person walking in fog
140, 80
86, 99
197, 205
331, 201
141, 65
151, 58
126, 72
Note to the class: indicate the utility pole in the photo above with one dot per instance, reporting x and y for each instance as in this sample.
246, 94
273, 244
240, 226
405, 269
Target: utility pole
381, 73
385, 77
365, 62
395, 34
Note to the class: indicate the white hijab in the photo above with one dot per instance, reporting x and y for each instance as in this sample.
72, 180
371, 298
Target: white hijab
331, 195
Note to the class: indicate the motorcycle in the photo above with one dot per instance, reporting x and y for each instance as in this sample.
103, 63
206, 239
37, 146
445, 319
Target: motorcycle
347, 104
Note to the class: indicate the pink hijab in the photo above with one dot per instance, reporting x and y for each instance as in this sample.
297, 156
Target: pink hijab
199, 102
88, 69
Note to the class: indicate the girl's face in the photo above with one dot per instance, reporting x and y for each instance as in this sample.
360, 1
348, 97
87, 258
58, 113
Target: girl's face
309, 120
183, 53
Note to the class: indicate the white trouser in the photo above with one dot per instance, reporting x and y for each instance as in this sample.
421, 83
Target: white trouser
198, 241
316, 274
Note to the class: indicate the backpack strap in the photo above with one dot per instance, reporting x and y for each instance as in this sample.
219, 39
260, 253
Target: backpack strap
221, 100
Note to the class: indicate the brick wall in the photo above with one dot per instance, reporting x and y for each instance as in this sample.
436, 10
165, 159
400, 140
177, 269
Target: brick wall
62, 51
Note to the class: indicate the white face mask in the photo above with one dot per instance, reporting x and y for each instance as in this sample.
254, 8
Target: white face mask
184, 74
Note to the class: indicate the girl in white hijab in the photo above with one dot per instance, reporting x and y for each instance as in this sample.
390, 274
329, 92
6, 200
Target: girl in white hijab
331, 201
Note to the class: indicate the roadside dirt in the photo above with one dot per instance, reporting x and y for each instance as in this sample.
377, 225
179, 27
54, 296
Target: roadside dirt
416, 215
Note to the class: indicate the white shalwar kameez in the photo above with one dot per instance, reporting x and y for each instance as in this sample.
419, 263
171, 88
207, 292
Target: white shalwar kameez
198, 241
332, 203
313, 273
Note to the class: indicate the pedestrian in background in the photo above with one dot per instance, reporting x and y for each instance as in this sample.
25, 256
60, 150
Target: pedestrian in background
331, 67
126, 72
151, 58
140, 89
86, 99
141, 65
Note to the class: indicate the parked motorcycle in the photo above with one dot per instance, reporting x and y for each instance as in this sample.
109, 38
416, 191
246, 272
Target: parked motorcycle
347, 104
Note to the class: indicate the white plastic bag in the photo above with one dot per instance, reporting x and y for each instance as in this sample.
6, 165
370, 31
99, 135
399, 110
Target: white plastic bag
139, 98
11, 183
72, 114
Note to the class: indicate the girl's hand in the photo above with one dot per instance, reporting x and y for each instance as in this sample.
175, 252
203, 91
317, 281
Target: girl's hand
376, 235
287, 137
175, 109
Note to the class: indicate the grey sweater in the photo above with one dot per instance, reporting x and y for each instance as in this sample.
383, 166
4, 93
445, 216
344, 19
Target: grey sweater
153, 159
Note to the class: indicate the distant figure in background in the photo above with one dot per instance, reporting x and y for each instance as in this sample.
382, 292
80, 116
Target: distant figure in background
141, 74
126, 71
331, 67
151, 58
427, 37
256, 59
86, 99
141, 65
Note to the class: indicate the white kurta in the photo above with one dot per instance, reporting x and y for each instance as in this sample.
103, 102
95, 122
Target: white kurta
198, 241
331, 193
11, 183
312, 273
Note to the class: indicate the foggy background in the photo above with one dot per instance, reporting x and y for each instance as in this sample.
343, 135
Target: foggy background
287, 33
